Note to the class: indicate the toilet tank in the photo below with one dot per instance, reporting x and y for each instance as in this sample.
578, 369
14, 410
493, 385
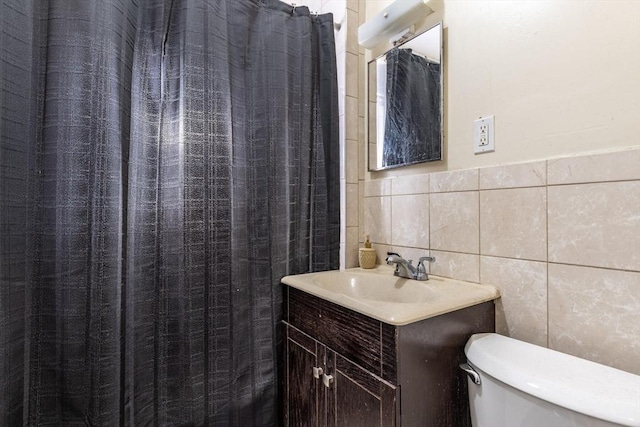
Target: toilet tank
525, 385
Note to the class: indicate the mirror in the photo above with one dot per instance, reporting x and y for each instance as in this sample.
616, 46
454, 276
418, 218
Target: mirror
405, 103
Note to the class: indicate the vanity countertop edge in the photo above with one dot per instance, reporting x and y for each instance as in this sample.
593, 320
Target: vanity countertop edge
452, 295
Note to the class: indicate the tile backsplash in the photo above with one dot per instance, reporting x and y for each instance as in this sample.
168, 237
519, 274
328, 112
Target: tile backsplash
559, 238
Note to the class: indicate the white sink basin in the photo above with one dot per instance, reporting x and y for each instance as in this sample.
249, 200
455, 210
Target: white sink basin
379, 294
365, 285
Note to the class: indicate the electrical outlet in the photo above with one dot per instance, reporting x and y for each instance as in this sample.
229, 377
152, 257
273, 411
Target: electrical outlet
483, 135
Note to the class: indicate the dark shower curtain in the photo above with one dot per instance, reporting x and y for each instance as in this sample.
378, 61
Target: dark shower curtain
162, 165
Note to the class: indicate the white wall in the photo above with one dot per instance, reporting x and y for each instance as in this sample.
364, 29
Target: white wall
560, 76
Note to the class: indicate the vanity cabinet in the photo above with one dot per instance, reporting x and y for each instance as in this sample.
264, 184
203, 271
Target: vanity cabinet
374, 373
324, 388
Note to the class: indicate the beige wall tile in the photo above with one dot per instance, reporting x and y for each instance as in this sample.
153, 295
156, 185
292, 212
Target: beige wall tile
411, 184
352, 31
595, 314
352, 205
351, 118
462, 180
456, 266
410, 220
513, 223
512, 176
381, 252
595, 224
362, 166
361, 83
361, 209
351, 256
521, 312
352, 76
454, 219
377, 219
377, 187
351, 164
618, 166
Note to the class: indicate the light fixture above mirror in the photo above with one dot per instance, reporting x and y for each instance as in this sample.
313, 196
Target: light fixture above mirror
392, 22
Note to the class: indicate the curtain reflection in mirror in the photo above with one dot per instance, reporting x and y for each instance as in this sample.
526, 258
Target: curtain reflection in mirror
412, 123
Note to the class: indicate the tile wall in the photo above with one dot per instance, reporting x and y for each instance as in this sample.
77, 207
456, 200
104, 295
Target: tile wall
352, 130
559, 238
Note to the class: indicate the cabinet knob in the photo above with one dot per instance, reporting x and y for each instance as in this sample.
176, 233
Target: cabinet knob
327, 380
317, 372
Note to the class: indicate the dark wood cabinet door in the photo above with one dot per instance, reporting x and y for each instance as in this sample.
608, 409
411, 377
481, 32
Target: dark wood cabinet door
372, 363
357, 398
301, 403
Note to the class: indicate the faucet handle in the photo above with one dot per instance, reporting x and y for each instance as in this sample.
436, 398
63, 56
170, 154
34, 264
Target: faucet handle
422, 259
390, 254
421, 267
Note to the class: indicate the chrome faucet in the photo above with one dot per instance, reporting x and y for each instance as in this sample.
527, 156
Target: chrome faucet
405, 269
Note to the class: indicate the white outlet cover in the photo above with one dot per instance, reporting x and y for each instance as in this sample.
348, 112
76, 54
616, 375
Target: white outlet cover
483, 135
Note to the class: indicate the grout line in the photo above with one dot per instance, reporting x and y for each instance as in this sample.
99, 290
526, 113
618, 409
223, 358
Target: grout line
429, 241
453, 191
516, 187
622, 270
564, 184
534, 260
390, 220
512, 188
546, 193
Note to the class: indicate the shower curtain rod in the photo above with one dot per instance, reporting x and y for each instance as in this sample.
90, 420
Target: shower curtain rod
336, 25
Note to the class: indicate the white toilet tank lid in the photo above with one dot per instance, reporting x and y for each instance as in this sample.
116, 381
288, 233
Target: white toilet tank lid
580, 385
